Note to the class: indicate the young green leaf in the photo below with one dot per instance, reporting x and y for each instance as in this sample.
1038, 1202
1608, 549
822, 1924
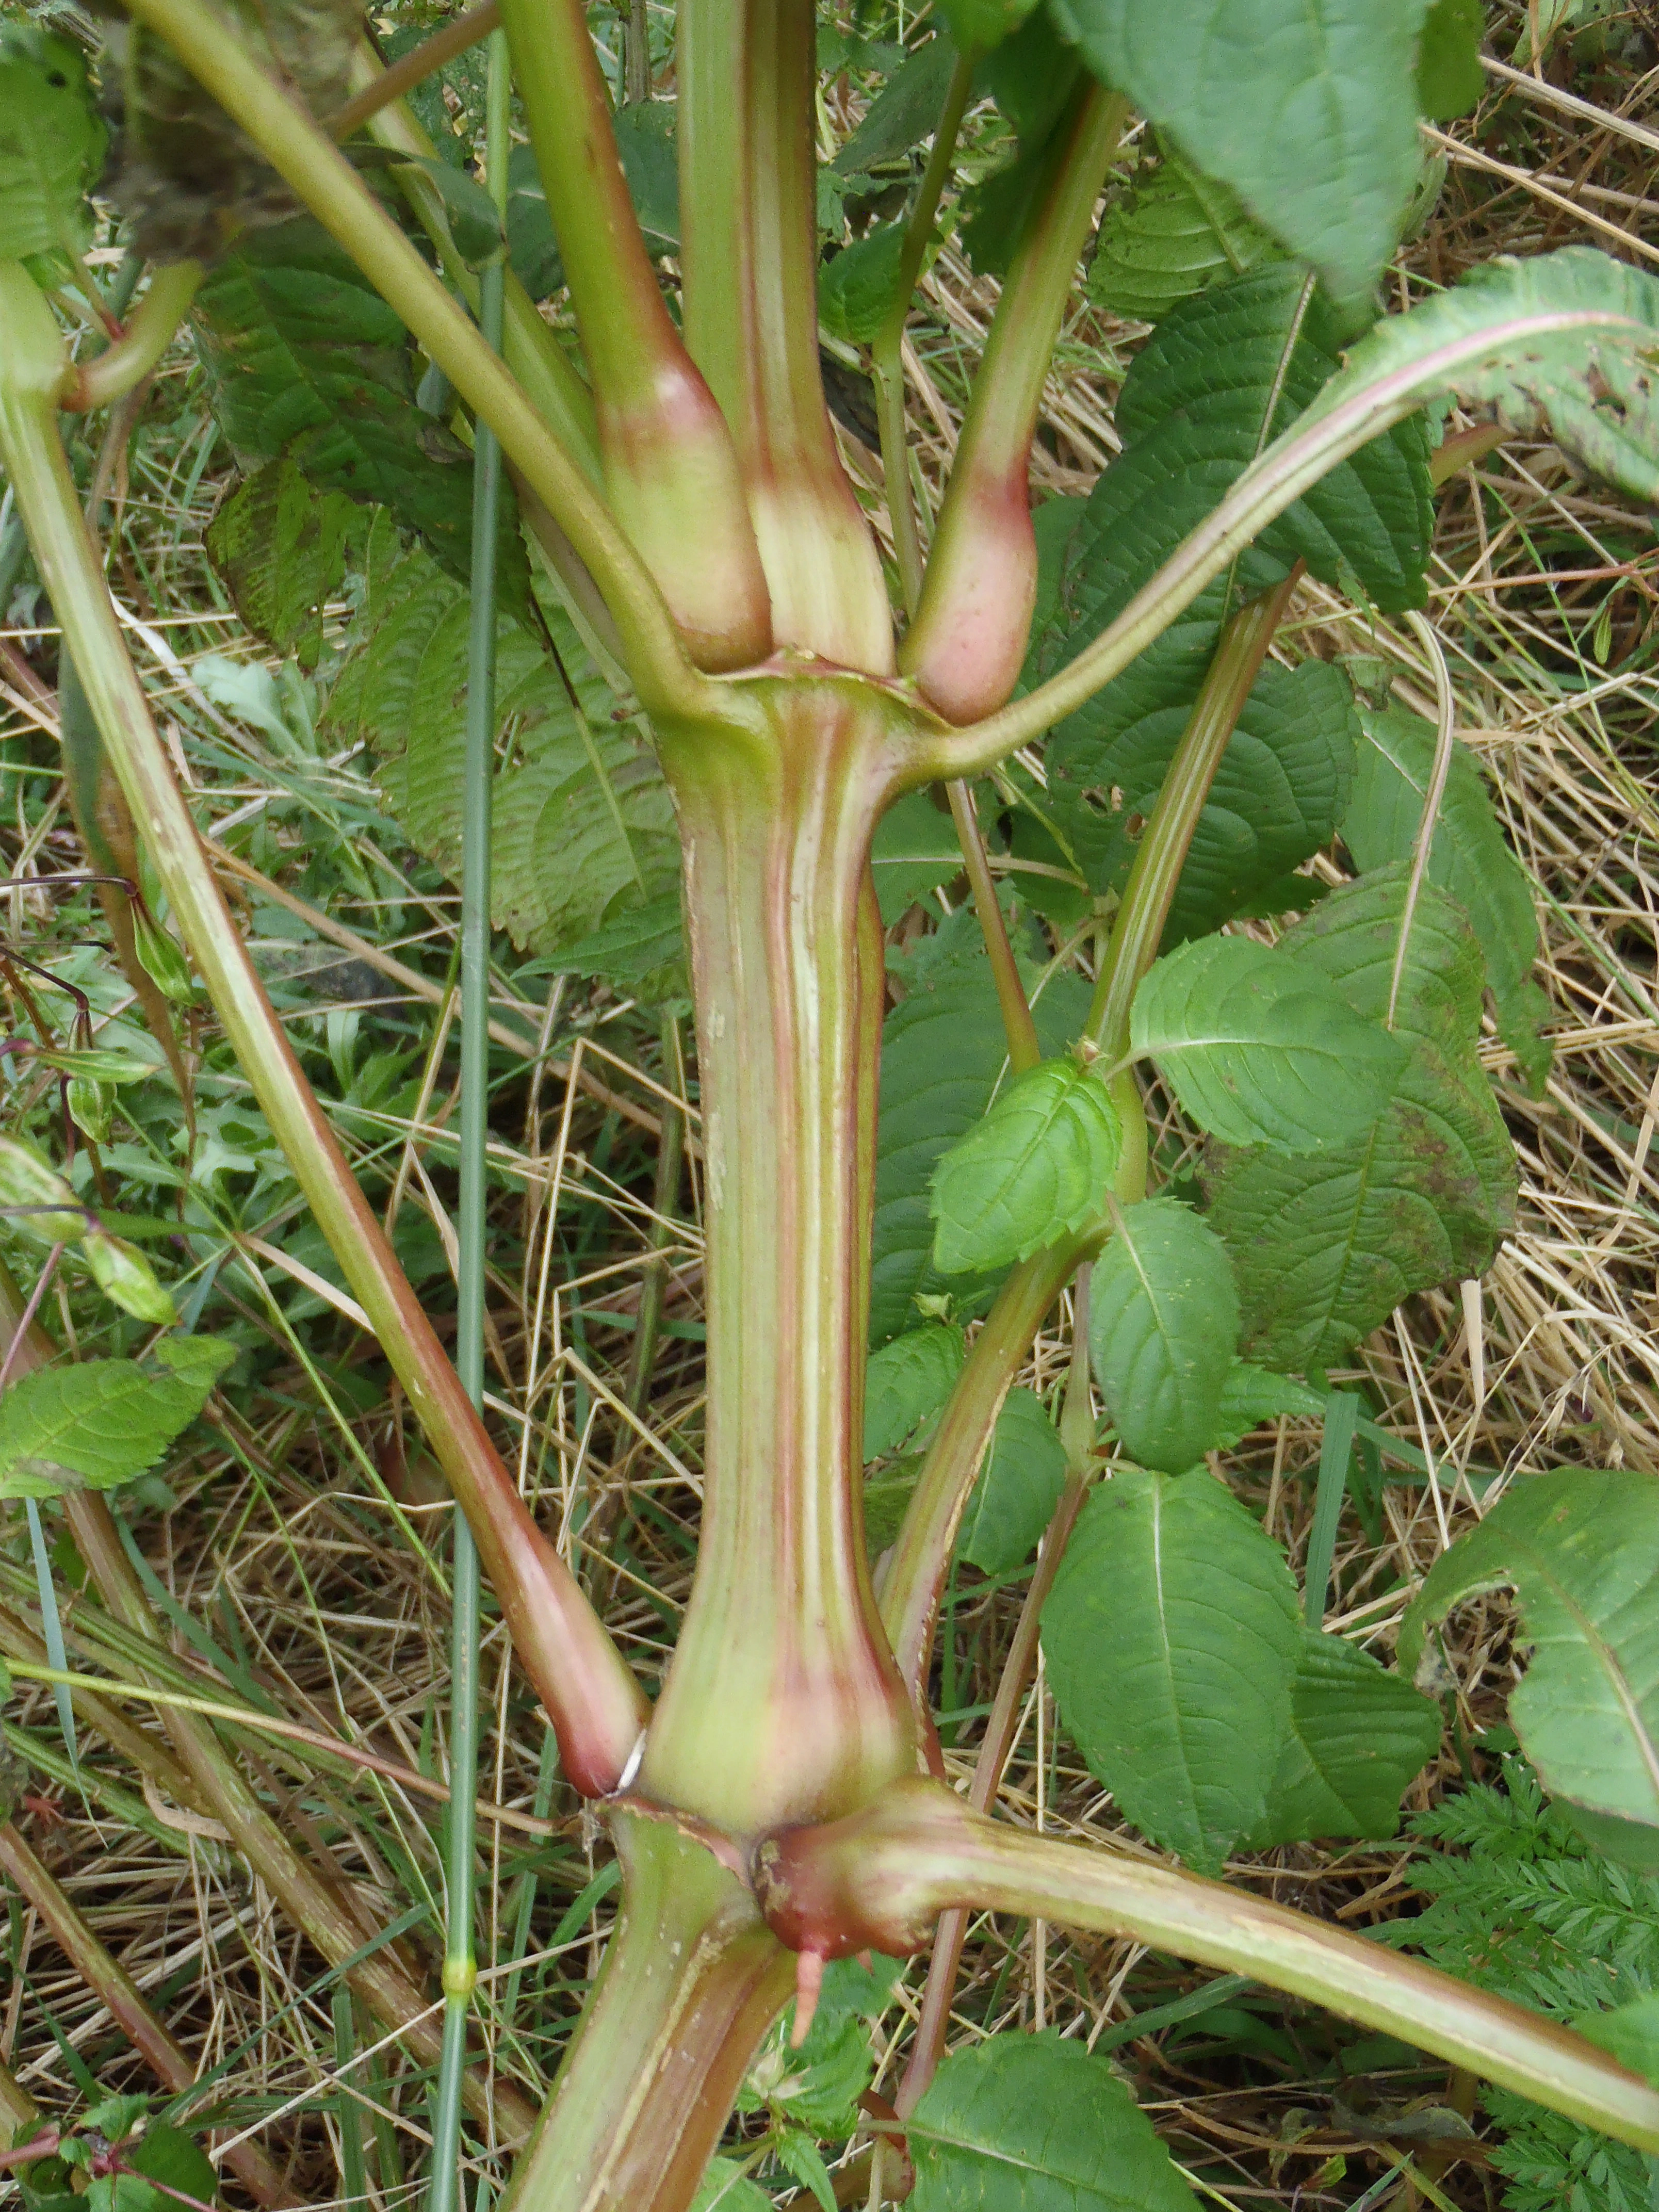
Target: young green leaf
1175, 234
161, 958
904, 113
1470, 859
98, 1066
1260, 1049
51, 142
1172, 1635
1163, 1325
914, 850
93, 1425
1015, 1497
1450, 78
1247, 88
1251, 1395
1358, 1737
726, 2188
91, 1106
1029, 2123
168, 2156
1038, 1167
942, 1050
907, 1382
1325, 1247
858, 289
1581, 1552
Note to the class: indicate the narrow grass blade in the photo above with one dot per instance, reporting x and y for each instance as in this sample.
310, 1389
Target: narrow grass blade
1341, 1423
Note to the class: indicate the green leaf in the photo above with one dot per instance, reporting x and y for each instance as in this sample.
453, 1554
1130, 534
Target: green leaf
1450, 78
817, 2086
474, 224
800, 2156
30, 1193
1038, 1167
1283, 786
978, 26
859, 288
1163, 1324
645, 142
726, 2187
584, 830
1016, 1495
1208, 376
1172, 1635
1358, 1737
1029, 2123
1174, 234
52, 144
161, 958
1325, 1247
642, 951
1260, 1049
1251, 1395
1470, 859
908, 1384
91, 1425
166, 2155
305, 360
115, 2118
1306, 108
1582, 375
99, 1066
1581, 1552
904, 113
91, 1107
281, 549
914, 852
942, 1051
1630, 2034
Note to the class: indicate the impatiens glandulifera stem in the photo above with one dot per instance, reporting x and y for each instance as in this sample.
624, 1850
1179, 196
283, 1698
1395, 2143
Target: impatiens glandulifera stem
886, 353
914, 1573
1002, 1728
151, 330
1167, 838
749, 253
880, 1878
969, 639
1346, 417
321, 177
671, 468
314, 1898
596, 1705
128, 2007
691, 1981
781, 1696
1024, 1049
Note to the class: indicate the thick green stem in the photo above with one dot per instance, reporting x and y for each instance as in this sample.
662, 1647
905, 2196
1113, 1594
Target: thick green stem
670, 466
749, 249
1167, 839
783, 1695
691, 1981
325, 182
881, 1878
594, 1702
913, 1577
152, 329
886, 354
130, 2010
968, 641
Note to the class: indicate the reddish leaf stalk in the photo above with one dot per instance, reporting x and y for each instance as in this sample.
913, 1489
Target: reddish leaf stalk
969, 639
879, 1879
669, 468
749, 251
